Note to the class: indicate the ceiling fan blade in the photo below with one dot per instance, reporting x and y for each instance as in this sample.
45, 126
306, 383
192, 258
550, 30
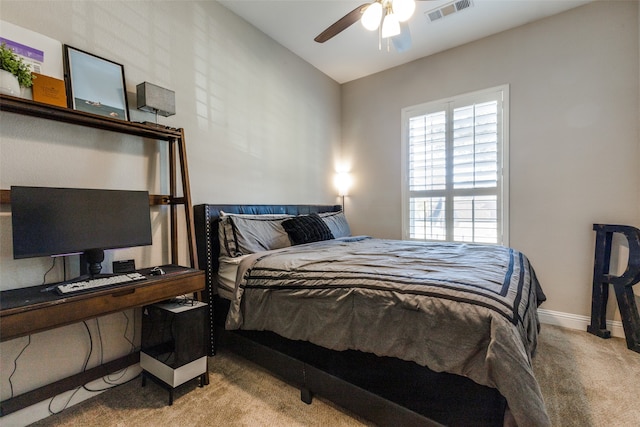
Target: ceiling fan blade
342, 24
402, 42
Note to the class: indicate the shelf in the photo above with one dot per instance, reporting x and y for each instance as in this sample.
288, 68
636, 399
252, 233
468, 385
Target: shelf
27, 107
154, 199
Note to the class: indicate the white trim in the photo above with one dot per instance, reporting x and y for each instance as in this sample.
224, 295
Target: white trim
576, 321
506, 161
404, 171
502, 95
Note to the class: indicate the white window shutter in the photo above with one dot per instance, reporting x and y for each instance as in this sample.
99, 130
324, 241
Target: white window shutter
454, 159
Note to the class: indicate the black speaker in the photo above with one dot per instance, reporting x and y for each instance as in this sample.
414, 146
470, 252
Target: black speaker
173, 343
126, 266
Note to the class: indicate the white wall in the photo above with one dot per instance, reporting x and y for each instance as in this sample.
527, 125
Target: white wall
262, 126
574, 136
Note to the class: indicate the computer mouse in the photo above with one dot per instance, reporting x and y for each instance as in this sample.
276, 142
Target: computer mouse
156, 271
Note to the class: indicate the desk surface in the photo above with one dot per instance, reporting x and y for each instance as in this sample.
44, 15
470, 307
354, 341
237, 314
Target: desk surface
29, 310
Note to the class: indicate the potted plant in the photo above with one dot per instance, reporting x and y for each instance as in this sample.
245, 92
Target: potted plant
14, 73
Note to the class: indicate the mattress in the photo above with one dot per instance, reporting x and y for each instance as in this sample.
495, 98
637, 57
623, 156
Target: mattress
459, 308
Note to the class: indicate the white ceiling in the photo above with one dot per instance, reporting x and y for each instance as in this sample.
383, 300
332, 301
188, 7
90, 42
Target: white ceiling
354, 53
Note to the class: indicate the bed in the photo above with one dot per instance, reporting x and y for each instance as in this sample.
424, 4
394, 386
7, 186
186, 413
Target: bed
399, 332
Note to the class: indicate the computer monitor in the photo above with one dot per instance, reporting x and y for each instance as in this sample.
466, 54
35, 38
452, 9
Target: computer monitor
48, 221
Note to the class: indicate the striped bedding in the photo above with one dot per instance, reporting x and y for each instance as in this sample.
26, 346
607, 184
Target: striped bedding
460, 308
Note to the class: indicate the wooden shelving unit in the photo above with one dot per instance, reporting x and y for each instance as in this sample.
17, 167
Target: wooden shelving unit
177, 152
27, 311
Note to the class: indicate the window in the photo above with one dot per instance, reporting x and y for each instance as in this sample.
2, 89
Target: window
455, 155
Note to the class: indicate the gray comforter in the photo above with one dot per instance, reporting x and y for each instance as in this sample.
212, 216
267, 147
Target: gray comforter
459, 308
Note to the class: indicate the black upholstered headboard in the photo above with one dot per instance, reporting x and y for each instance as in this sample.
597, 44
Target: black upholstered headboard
206, 226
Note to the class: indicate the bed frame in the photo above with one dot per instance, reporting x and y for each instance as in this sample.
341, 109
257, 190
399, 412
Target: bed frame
385, 390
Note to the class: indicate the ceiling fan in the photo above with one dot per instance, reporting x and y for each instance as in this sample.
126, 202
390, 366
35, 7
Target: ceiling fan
388, 16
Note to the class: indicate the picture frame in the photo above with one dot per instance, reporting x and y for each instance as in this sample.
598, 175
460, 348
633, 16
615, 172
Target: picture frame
95, 85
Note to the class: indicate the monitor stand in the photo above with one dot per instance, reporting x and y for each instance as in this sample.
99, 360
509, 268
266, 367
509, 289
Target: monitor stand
91, 262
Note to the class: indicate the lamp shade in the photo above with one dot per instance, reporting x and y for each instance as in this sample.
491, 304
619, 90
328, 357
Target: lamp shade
156, 99
390, 26
403, 9
342, 182
371, 16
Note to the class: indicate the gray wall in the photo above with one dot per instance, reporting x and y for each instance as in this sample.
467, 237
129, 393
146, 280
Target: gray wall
574, 136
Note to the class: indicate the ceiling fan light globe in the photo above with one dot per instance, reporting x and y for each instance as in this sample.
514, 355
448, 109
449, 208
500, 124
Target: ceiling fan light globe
403, 9
372, 16
390, 26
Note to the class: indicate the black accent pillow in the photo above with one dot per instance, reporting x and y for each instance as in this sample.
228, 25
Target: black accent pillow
307, 229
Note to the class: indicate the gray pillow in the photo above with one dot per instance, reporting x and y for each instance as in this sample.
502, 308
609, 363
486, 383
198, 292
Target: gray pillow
337, 223
241, 234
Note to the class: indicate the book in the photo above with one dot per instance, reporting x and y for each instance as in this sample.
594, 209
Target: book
49, 90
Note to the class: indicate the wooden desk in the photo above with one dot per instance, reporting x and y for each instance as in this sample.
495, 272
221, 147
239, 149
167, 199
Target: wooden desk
27, 311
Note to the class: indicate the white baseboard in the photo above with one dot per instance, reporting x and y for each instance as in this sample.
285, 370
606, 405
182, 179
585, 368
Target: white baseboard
576, 321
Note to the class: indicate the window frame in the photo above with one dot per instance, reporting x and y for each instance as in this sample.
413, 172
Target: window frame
448, 105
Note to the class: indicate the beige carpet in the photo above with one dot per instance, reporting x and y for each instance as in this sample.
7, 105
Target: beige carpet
586, 381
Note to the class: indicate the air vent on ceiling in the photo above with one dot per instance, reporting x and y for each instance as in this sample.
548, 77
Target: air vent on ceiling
448, 9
